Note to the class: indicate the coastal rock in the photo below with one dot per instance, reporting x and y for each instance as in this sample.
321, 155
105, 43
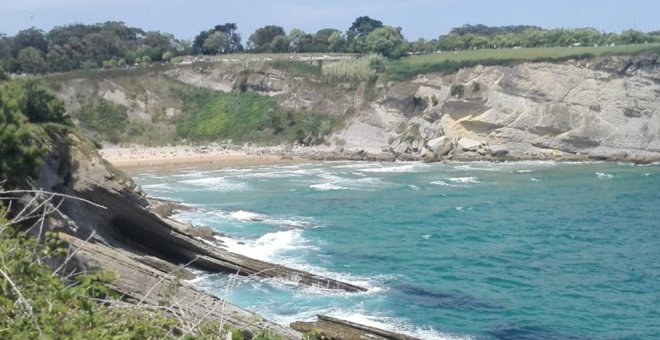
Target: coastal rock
402, 148
467, 144
333, 328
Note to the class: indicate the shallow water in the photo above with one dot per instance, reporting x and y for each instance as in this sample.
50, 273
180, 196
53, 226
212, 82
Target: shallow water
523, 250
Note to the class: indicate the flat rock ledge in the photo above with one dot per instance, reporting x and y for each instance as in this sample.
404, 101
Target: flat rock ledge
337, 329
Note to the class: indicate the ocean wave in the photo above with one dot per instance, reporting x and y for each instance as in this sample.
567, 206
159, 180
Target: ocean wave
157, 187
603, 175
270, 246
242, 215
394, 325
333, 182
216, 184
287, 248
523, 171
395, 168
202, 216
445, 184
327, 187
481, 167
464, 180
362, 317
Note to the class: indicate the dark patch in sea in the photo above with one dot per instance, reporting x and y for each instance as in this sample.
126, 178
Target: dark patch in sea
426, 297
532, 333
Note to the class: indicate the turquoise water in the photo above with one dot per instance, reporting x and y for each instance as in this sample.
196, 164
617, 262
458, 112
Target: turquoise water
528, 250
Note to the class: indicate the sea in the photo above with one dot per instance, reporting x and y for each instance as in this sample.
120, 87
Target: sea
478, 250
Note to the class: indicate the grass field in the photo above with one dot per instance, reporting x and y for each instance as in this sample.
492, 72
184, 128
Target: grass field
447, 62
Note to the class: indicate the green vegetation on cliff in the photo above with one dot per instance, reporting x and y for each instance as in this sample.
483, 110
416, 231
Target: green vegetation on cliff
26, 108
246, 117
449, 62
43, 292
35, 304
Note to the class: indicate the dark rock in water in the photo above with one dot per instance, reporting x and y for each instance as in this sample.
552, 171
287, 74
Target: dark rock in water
532, 333
332, 328
426, 297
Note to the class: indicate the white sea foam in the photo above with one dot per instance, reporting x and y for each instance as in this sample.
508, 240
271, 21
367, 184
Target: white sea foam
393, 324
465, 180
535, 180
284, 247
357, 165
334, 182
647, 174
243, 215
270, 246
445, 184
158, 187
426, 236
413, 187
282, 221
216, 183
603, 175
395, 168
327, 187
523, 171
480, 167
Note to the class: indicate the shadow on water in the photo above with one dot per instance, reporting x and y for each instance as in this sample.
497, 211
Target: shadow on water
426, 297
532, 333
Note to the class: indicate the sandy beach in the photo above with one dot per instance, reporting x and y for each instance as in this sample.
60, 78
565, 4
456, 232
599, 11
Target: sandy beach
173, 157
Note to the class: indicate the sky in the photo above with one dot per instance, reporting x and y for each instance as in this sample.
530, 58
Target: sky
419, 18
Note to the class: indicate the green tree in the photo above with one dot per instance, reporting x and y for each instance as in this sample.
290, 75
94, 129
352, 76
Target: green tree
18, 153
362, 26
231, 40
261, 40
41, 105
336, 42
59, 60
167, 56
30, 61
31, 37
387, 41
280, 44
215, 43
3, 75
23, 103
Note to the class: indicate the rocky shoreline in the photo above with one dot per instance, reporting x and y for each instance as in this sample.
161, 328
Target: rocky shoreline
108, 223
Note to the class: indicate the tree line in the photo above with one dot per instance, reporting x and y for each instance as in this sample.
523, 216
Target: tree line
112, 44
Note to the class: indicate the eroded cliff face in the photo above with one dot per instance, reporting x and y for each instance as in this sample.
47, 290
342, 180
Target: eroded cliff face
602, 109
609, 109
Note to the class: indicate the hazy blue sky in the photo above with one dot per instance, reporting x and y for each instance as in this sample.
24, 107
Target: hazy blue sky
419, 18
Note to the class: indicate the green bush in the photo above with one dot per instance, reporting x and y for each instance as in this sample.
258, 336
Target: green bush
24, 106
246, 116
35, 304
108, 119
354, 69
457, 90
296, 68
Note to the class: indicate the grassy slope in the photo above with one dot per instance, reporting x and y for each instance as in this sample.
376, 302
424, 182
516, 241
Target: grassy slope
408, 67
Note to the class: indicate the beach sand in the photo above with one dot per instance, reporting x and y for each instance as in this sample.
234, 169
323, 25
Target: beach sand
137, 158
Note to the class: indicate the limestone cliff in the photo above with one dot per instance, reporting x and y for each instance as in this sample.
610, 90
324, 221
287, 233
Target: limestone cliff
599, 109
608, 109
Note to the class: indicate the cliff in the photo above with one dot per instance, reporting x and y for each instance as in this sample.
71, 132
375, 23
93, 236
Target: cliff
109, 224
605, 108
